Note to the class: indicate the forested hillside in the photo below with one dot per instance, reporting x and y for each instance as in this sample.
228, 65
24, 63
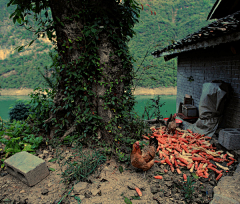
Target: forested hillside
174, 19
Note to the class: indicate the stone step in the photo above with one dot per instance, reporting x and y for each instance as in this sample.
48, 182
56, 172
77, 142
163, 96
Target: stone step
27, 168
230, 138
228, 190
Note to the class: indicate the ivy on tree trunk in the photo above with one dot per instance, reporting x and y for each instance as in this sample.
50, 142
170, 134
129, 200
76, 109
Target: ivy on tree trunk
93, 67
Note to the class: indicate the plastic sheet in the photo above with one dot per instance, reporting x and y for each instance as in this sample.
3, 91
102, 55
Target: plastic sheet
211, 108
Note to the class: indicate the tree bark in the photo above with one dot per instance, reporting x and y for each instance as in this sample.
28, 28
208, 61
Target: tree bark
111, 64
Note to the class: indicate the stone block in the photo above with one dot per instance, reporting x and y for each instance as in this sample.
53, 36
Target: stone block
227, 190
27, 168
230, 138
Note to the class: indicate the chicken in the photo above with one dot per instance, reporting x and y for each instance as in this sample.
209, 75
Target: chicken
144, 159
171, 124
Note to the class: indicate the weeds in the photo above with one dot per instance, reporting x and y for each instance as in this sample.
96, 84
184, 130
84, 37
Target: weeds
153, 110
188, 189
80, 168
16, 137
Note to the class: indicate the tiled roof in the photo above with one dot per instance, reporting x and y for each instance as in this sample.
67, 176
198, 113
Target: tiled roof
219, 28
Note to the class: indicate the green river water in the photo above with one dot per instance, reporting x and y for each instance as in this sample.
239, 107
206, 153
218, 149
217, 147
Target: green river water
170, 104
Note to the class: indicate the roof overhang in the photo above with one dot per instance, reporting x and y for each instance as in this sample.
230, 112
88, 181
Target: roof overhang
222, 8
227, 38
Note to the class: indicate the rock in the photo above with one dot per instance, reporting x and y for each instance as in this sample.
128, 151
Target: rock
88, 194
103, 180
227, 190
80, 187
45, 152
81, 197
50, 184
41, 156
168, 184
95, 191
154, 189
4, 174
177, 196
38, 152
220, 199
167, 193
167, 178
44, 192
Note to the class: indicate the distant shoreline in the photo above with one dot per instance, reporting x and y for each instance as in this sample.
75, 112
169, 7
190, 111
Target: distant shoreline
138, 91
156, 91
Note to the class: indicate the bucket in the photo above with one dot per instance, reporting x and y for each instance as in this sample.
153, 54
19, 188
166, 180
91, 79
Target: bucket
178, 121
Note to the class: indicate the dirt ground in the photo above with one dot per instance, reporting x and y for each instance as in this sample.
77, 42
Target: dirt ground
107, 185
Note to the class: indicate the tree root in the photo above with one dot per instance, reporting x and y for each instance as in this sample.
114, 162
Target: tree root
48, 120
69, 131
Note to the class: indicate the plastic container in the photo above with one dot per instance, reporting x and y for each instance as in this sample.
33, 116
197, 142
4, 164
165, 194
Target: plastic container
178, 121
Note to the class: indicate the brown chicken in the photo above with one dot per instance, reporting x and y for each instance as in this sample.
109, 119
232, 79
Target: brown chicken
171, 124
144, 159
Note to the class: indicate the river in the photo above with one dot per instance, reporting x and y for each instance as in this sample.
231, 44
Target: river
170, 104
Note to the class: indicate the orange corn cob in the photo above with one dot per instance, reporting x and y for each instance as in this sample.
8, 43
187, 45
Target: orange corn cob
162, 161
196, 165
178, 171
168, 162
219, 176
184, 177
172, 168
138, 191
189, 165
183, 160
230, 163
158, 177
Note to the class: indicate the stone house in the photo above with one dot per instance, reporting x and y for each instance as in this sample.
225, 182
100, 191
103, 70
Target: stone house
212, 53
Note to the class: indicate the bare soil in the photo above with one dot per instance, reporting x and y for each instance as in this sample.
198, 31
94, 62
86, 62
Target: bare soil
107, 185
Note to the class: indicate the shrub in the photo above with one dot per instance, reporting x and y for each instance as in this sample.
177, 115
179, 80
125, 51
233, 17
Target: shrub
20, 111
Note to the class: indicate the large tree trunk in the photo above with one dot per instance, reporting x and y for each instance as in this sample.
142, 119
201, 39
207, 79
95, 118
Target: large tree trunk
101, 82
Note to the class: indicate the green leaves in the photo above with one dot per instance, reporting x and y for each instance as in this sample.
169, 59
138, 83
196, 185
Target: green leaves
20, 138
51, 169
127, 201
195, 176
188, 188
120, 169
52, 160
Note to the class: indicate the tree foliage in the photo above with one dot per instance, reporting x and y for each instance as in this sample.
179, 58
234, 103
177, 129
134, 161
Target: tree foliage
173, 20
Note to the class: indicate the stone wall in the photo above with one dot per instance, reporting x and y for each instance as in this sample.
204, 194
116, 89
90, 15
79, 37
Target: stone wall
204, 65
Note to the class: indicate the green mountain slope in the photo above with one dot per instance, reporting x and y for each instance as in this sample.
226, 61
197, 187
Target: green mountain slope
20, 69
174, 19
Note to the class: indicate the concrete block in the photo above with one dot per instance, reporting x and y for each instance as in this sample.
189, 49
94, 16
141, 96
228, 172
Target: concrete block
27, 168
230, 138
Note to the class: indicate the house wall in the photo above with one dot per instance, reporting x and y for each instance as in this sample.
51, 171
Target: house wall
204, 65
